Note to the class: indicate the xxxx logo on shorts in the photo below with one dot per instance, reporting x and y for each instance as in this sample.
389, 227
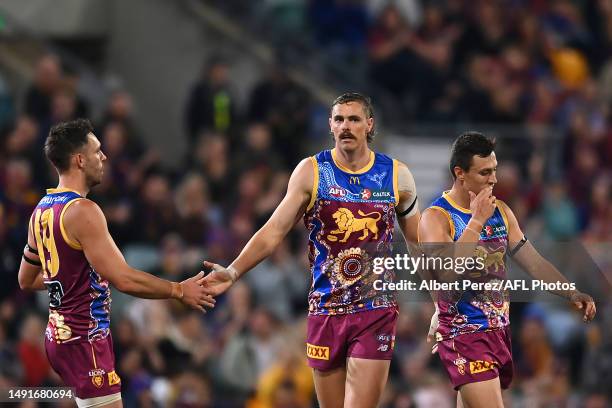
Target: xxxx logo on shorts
113, 378
480, 366
317, 352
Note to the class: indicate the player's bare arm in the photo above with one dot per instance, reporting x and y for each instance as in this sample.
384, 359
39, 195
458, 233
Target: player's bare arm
538, 267
85, 223
434, 229
30, 271
408, 214
263, 243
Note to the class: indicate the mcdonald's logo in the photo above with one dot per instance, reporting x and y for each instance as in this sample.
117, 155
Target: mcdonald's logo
354, 180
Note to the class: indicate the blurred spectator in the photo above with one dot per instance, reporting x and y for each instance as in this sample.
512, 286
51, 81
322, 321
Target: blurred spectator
156, 215
285, 107
211, 105
560, 217
288, 382
121, 110
211, 157
47, 81
31, 351
7, 108
250, 353
192, 207
339, 23
273, 284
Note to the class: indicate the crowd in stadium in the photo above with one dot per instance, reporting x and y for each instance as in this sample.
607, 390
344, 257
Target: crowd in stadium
540, 63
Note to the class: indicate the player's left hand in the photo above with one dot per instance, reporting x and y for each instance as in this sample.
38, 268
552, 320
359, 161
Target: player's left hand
584, 302
433, 327
218, 281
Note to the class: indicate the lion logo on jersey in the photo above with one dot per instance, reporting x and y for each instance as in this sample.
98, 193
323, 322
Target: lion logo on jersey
347, 224
491, 259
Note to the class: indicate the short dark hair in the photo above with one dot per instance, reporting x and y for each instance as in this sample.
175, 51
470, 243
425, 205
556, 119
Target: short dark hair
468, 145
365, 101
64, 140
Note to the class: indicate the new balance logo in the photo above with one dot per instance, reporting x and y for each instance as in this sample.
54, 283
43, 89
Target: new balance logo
317, 352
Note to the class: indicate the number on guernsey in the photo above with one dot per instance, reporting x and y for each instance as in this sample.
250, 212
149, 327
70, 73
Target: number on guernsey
56, 293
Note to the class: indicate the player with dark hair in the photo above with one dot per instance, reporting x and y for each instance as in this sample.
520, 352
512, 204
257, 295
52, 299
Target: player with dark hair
350, 198
71, 253
472, 327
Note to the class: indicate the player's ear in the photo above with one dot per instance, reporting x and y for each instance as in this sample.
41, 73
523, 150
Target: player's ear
80, 160
370, 124
459, 173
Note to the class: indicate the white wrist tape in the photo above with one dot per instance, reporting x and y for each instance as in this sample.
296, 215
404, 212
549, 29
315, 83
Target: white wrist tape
233, 273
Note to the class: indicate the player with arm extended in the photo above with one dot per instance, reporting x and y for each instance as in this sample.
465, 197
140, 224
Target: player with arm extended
349, 198
71, 254
472, 328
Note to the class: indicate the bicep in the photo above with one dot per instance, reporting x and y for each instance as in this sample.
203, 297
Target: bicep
434, 227
527, 257
409, 226
294, 204
406, 190
91, 232
515, 234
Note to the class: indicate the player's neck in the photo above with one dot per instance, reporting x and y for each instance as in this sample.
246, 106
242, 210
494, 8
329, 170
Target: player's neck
73, 182
353, 160
460, 195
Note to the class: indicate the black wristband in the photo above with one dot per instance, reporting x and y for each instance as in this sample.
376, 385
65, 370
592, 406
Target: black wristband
32, 250
518, 246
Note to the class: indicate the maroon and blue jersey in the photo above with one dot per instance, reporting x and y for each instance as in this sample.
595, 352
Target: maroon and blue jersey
470, 311
79, 299
350, 219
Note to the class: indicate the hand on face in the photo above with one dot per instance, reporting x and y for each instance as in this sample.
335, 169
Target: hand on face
482, 204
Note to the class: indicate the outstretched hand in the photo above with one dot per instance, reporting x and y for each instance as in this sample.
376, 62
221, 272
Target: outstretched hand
584, 302
218, 281
195, 295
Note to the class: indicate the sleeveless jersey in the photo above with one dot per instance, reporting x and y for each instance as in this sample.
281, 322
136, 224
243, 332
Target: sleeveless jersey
350, 219
469, 311
79, 299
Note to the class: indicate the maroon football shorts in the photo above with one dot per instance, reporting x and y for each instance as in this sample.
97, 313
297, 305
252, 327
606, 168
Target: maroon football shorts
87, 367
332, 339
479, 356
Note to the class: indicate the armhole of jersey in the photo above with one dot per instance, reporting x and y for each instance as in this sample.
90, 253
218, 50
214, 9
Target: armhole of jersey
396, 182
503, 214
315, 183
450, 221
31, 226
73, 244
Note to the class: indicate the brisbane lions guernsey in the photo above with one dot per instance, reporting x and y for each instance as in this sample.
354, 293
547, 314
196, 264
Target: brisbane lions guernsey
471, 311
350, 219
79, 299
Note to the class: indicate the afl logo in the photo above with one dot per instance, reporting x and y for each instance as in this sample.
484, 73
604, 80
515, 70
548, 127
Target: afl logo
336, 191
366, 194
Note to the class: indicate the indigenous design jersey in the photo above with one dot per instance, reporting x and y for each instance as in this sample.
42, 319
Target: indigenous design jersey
471, 311
79, 299
350, 220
